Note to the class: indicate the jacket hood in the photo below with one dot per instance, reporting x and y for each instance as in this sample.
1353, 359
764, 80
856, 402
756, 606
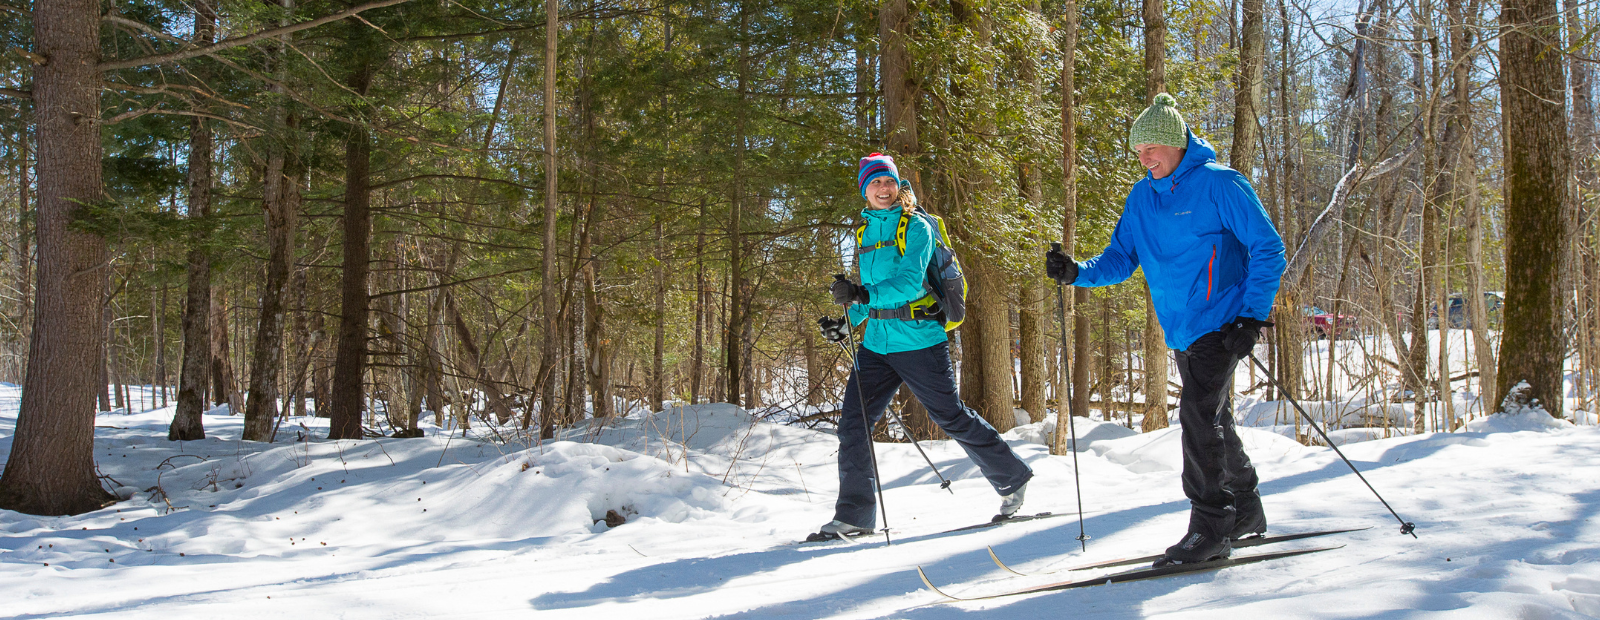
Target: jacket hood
1197, 154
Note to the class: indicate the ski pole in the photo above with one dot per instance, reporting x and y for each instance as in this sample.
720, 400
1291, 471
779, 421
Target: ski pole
1072, 431
855, 364
943, 482
1406, 527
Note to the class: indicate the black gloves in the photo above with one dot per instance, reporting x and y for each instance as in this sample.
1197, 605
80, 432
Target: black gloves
1060, 268
834, 330
1239, 335
846, 292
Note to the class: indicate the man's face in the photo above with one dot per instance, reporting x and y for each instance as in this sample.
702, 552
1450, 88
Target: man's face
1159, 159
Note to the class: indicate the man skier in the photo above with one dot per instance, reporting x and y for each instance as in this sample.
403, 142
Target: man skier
1212, 260
901, 343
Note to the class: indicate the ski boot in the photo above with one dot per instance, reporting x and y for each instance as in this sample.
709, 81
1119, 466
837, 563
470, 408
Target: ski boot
1195, 547
1010, 504
838, 530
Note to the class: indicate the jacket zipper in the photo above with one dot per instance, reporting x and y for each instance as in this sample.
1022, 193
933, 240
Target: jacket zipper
1211, 270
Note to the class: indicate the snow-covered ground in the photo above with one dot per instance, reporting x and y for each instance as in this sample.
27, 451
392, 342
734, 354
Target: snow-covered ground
713, 500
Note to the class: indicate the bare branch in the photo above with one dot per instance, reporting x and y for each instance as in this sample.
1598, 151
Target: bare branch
16, 93
158, 59
142, 27
1357, 175
132, 114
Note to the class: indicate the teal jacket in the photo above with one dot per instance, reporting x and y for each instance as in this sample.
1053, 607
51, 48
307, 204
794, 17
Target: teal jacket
893, 281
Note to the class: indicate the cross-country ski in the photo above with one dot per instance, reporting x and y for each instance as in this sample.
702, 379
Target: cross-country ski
1132, 575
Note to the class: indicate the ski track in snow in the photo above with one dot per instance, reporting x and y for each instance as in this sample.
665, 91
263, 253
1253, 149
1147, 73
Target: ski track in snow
453, 527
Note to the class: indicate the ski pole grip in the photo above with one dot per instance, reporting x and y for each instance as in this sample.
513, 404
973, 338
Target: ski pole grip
838, 276
1055, 247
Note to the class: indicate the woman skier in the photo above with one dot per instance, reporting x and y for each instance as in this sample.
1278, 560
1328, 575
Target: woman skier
902, 343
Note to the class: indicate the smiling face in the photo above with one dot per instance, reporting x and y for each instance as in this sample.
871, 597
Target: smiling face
882, 192
1159, 159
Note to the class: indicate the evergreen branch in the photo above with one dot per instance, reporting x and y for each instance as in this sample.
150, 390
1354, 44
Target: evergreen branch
158, 59
460, 177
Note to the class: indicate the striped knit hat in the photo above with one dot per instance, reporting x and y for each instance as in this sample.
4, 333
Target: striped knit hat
874, 166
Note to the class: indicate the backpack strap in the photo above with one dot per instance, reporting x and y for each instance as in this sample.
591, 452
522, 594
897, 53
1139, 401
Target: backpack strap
925, 309
899, 241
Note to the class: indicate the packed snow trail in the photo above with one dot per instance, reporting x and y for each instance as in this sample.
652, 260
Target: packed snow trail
712, 500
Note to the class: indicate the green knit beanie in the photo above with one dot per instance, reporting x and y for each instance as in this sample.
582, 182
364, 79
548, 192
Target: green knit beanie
1160, 124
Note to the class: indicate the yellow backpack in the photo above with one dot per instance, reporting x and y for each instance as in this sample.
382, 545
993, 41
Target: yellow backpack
946, 286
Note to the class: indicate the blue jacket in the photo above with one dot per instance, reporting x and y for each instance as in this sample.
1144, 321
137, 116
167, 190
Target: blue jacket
893, 281
1208, 250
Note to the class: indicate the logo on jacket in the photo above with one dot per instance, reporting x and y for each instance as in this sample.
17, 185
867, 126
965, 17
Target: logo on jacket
1182, 212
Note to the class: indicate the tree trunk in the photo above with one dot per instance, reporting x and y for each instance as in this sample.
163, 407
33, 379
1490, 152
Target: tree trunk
733, 334
1031, 326
815, 376
1534, 117
1155, 48
992, 354
1247, 88
301, 342
51, 467
281, 205
25, 258
658, 353
1031, 313
702, 303
552, 210
187, 424
900, 87
1155, 346
349, 366
224, 388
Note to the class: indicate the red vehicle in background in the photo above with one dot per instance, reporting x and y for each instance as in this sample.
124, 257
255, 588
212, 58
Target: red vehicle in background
1326, 324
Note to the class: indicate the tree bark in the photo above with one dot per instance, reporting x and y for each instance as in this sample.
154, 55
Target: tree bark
187, 423
1155, 346
702, 303
1031, 313
552, 209
733, 334
349, 366
1247, 88
1534, 116
51, 467
900, 88
992, 355
224, 386
280, 205
658, 352
1154, 14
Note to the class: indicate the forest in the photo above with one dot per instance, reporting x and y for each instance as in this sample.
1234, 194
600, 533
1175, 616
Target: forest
529, 217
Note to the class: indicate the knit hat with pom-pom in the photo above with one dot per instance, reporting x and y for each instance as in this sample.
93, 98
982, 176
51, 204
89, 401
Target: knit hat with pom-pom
1160, 124
874, 166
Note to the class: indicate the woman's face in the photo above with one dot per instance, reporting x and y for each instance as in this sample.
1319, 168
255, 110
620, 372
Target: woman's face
882, 192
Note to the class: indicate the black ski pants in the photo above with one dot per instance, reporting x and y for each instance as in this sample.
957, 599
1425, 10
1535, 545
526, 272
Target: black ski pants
932, 380
1217, 475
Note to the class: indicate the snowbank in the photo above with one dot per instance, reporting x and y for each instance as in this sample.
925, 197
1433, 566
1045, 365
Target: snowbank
1526, 419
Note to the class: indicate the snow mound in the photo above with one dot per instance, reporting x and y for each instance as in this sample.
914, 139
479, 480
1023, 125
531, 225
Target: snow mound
566, 486
1155, 451
1089, 431
1329, 415
1162, 450
1527, 419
